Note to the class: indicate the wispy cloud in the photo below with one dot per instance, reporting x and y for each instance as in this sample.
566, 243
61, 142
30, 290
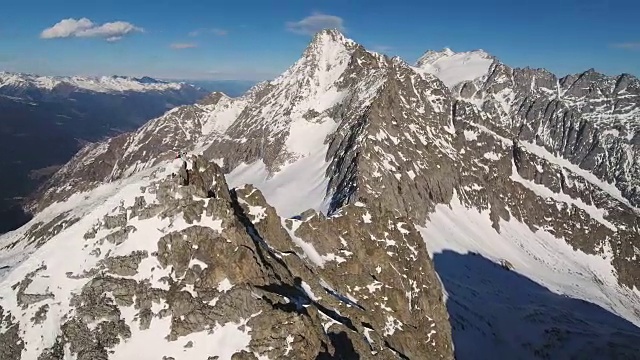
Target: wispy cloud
215, 31
180, 46
111, 31
316, 22
627, 45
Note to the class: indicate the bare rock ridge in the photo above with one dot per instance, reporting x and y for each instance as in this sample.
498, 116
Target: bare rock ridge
589, 119
310, 202
220, 261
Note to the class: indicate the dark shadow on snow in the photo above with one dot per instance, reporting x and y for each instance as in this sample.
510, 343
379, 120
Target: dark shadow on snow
499, 314
299, 299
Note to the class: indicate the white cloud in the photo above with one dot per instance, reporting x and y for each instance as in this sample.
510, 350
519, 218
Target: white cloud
111, 31
67, 28
627, 46
179, 46
316, 22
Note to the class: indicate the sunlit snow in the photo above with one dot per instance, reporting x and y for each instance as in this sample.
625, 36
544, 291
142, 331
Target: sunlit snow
453, 68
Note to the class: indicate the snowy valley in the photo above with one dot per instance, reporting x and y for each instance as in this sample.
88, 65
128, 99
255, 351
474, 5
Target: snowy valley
356, 206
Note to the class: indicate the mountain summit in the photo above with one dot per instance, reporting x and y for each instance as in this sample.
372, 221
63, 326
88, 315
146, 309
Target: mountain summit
453, 68
354, 207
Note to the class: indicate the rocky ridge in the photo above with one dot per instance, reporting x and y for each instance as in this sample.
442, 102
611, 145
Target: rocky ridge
589, 119
187, 262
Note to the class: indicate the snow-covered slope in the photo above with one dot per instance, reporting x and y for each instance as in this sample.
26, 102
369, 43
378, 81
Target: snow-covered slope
537, 254
453, 68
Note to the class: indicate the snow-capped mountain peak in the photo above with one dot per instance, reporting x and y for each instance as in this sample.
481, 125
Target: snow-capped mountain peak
326, 55
453, 68
331, 35
432, 55
447, 51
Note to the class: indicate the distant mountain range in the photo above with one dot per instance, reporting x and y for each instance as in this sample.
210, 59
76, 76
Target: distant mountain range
44, 120
20, 84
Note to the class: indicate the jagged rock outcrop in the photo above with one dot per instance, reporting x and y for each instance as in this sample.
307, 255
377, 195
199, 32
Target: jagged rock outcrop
589, 119
222, 262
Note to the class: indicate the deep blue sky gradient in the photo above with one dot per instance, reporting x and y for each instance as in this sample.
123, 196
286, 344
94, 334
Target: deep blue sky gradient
564, 36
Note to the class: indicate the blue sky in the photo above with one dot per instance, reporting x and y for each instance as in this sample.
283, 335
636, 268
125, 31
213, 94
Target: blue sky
258, 39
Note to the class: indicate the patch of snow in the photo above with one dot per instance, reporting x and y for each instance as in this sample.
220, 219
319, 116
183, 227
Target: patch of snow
258, 213
491, 156
347, 300
392, 325
470, 135
225, 285
539, 168
214, 301
289, 348
376, 285
367, 335
309, 292
333, 257
194, 262
225, 112
611, 132
309, 250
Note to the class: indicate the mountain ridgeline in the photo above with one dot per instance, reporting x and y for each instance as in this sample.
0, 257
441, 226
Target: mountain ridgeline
354, 207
